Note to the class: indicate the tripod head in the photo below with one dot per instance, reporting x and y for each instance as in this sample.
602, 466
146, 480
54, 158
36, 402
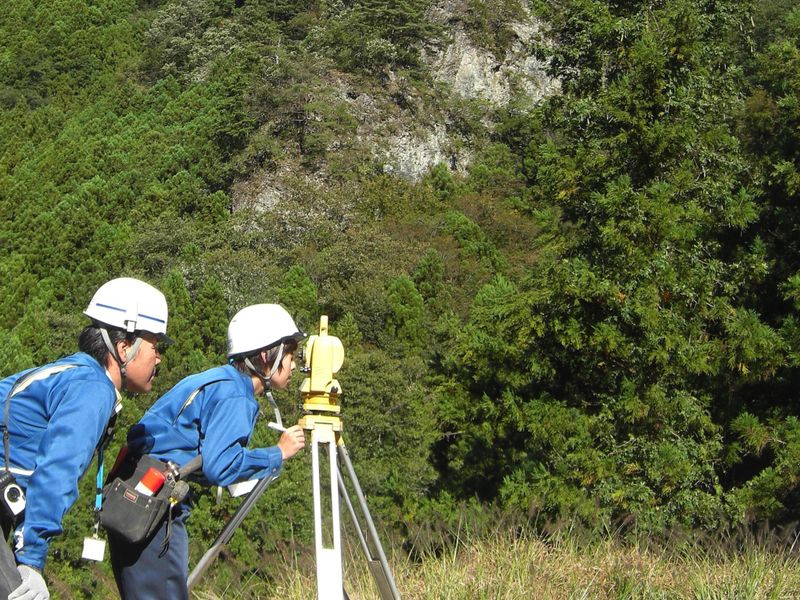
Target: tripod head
323, 356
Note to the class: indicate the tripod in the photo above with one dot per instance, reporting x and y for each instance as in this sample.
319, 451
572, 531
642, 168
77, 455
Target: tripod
323, 357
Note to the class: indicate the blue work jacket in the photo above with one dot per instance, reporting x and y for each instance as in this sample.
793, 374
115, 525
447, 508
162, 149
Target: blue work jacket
54, 427
217, 424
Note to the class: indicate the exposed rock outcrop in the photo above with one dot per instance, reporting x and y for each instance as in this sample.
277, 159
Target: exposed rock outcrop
472, 73
406, 136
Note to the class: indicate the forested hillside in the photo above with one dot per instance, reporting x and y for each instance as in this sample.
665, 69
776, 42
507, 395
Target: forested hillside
597, 319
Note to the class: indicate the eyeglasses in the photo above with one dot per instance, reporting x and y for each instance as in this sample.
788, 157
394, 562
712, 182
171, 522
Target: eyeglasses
157, 344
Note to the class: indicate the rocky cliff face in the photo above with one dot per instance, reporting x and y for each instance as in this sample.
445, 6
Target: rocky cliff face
399, 127
471, 73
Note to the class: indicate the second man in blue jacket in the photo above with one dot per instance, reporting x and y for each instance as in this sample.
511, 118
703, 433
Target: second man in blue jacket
212, 414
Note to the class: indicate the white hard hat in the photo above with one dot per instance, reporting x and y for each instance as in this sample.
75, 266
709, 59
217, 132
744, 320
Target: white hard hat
260, 326
131, 305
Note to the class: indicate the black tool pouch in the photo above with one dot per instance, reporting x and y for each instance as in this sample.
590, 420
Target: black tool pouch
128, 514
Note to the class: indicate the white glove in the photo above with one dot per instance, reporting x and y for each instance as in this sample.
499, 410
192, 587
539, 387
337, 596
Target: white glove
33, 586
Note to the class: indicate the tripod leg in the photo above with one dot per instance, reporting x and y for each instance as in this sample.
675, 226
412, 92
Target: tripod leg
227, 532
380, 569
345, 496
329, 557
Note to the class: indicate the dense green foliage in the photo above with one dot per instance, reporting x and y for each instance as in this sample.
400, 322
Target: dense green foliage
599, 320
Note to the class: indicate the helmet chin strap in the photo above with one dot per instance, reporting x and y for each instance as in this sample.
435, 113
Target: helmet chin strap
134, 349
263, 377
278, 358
266, 381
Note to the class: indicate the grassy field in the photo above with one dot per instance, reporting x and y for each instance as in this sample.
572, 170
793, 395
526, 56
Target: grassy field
505, 564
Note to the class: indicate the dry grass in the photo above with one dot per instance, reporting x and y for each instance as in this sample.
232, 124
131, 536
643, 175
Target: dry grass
507, 565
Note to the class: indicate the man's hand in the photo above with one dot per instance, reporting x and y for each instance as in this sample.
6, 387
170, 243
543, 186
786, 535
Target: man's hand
33, 586
292, 441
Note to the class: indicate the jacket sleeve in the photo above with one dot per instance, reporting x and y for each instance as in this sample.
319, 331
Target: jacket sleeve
226, 430
79, 413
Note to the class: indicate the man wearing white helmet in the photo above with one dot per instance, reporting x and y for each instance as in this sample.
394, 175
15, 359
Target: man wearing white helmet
211, 414
56, 415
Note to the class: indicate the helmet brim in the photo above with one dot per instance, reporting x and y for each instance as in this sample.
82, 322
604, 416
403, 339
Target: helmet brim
295, 337
165, 339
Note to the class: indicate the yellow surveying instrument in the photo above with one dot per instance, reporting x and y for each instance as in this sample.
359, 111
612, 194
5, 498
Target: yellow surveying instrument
323, 356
